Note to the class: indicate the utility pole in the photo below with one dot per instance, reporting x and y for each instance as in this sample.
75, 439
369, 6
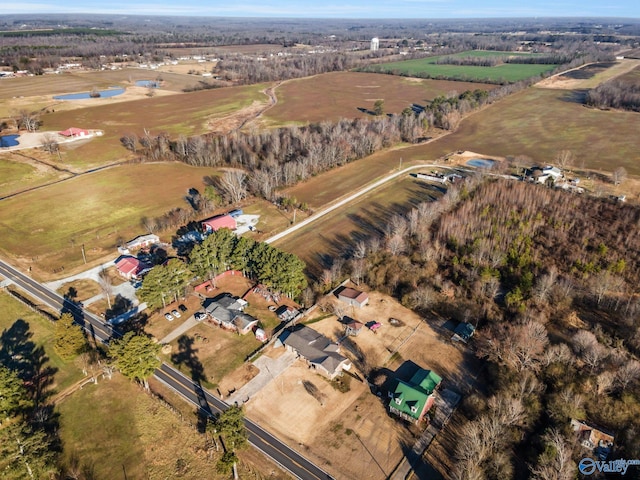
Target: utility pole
294, 215
84, 256
400, 168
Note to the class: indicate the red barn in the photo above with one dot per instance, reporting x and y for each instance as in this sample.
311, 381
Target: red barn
214, 224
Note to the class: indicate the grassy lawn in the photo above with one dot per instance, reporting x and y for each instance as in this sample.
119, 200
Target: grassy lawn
130, 435
94, 210
185, 114
24, 330
332, 96
363, 217
507, 72
18, 174
83, 289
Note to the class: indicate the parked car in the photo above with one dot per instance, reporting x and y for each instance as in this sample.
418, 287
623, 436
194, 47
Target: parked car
176, 313
182, 308
199, 316
168, 316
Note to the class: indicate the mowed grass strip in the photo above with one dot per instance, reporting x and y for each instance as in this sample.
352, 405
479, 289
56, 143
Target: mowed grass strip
185, 114
19, 324
331, 96
367, 215
93, 209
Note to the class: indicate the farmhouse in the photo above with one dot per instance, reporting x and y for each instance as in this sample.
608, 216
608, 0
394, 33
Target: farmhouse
412, 400
74, 132
131, 268
593, 438
318, 351
227, 311
545, 174
214, 224
352, 297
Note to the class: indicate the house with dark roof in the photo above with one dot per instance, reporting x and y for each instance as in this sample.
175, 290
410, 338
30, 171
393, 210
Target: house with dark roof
352, 297
131, 268
463, 332
412, 400
227, 311
214, 224
320, 353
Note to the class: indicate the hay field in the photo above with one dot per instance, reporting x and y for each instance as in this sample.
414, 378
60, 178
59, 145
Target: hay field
19, 173
185, 114
332, 96
367, 215
93, 209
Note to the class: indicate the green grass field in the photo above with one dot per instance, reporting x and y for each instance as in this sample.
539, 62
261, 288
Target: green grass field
29, 326
504, 73
17, 175
94, 210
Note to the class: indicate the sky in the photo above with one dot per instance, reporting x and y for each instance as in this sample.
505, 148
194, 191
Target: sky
337, 8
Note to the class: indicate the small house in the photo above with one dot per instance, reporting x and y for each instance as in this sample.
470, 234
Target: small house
214, 224
413, 399
463, 332
142, 241
352, 297
595, 439
227, 311
74, 132
131, 268
320, 353
286, 313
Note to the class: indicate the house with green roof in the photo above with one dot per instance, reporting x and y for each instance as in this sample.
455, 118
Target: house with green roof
412, 400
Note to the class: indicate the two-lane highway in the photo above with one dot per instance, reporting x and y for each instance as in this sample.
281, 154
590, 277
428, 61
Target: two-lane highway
281, 454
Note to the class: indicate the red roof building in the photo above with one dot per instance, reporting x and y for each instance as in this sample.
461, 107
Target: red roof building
214, 224
74, 132
353, 297
130, 267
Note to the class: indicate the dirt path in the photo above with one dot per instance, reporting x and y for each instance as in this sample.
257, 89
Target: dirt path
237, 120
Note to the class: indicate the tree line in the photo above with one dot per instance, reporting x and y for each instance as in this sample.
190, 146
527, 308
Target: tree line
616, 93
494, 60
221, 251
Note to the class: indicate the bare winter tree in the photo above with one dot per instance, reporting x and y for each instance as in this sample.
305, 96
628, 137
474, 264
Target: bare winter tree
564, 159
544, 285
559, 466
627, 374
29, 121
619, 175
233, 185
50, 143
106, 285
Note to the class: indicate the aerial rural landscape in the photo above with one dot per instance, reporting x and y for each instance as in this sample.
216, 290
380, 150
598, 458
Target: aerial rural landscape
331, 248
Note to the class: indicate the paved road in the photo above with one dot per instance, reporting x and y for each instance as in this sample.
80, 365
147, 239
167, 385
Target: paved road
273, 448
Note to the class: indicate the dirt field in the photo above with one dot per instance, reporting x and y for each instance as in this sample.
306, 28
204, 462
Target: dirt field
338, 95
351, 434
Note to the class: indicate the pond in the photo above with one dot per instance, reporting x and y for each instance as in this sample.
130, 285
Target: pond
147, 83
481, 162
111, 92
9, 140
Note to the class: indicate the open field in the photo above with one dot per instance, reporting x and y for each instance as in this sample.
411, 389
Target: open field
24, 332
94, 209
351, 434
366, 215
186, 114
332, 96
504, 73
19, 172
131, 435
589, 76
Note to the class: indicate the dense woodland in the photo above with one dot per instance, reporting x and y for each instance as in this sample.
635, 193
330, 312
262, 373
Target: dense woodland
616, 93
550, 278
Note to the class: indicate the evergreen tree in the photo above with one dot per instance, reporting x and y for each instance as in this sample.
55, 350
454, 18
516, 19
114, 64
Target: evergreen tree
136, 356
69, 337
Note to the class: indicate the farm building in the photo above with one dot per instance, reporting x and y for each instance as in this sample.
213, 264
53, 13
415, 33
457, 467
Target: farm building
412, 400
214, 224
320, 353
142, 241
74, 132
131, 268
352, 297
227, 311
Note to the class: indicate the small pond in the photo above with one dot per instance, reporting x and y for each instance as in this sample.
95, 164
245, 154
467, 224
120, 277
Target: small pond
111, 92
9, 140
481, 162
147, 83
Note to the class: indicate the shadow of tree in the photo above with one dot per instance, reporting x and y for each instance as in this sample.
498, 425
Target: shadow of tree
120, 305
20, 354
187, 356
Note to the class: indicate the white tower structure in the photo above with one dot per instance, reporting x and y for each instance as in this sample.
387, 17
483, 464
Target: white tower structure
375, 44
